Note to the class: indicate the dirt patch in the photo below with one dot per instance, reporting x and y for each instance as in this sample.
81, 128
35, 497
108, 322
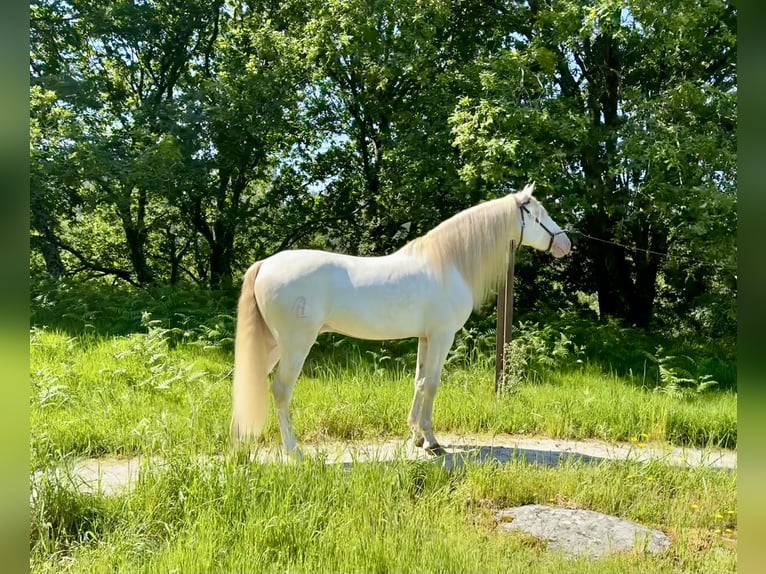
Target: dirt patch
108, 475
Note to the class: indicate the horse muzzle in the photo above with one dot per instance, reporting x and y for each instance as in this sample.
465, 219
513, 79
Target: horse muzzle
561, 246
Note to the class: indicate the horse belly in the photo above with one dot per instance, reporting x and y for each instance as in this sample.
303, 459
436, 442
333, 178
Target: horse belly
410, 305
379, 314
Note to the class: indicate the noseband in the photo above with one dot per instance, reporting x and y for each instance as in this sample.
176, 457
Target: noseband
523, 224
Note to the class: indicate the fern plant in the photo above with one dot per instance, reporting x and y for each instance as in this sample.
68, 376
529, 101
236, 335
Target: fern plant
675, 380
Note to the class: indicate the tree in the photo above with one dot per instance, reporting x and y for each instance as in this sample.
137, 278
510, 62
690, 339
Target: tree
238, 121
48, 192
594, 100
386, 76
182, 140
118, 67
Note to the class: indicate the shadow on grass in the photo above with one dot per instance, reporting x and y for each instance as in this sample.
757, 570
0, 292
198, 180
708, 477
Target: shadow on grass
460, 455
457, 456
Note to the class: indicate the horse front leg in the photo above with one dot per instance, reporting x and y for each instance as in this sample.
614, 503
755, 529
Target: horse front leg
438, 347
417, 400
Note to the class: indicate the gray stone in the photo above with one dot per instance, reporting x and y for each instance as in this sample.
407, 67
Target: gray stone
582, 532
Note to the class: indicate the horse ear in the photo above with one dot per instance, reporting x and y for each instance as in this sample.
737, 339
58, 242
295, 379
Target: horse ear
525, 194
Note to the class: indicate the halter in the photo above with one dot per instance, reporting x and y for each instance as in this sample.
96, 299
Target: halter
540, 223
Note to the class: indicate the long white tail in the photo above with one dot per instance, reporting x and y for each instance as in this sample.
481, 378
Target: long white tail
250, 392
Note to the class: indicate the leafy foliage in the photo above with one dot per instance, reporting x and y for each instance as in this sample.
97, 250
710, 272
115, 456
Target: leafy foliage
572, 341
176, 142
99, 309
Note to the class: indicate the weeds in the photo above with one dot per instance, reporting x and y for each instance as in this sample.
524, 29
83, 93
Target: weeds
62, 517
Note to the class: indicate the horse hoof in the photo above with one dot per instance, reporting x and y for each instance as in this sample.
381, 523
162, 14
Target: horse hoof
418, 442
436, 449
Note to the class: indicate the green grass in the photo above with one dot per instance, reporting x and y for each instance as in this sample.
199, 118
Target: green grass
373, 517
124, 395
109, 379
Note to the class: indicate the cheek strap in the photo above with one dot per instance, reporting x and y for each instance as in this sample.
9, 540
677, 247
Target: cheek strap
552, 234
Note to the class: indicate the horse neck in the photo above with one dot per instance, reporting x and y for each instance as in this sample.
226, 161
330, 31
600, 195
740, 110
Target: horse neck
475, 242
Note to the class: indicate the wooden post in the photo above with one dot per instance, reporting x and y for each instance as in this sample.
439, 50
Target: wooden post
504, 318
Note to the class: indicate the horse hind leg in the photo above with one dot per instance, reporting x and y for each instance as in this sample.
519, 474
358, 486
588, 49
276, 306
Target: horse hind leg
272, 357
289, 369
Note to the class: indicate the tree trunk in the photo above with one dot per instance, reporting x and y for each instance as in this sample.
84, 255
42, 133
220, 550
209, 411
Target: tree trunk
174, 256
626, 289
611, 271
135, 237
220, 266
646, 269
224, 228
136, 242
47, 243
642, 303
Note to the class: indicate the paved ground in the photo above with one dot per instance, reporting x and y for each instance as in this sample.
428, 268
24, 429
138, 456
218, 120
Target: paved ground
111, 475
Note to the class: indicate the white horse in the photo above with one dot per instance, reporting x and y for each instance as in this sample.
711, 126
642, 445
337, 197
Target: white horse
427, 290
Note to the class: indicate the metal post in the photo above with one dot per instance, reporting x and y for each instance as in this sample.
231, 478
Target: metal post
504, 317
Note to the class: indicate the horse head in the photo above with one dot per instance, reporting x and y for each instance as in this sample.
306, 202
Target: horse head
537, 229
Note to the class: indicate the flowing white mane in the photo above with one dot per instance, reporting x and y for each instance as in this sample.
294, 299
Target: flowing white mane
476, 241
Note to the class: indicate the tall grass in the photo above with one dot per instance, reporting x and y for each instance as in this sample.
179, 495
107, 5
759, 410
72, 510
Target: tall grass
403, 516
132, 394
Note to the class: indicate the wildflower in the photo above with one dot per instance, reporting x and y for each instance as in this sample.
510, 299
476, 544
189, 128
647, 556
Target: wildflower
649, 478
695, 506
719, 516
729, 512
717, 530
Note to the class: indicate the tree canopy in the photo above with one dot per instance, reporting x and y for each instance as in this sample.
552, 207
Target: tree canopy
177, 142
